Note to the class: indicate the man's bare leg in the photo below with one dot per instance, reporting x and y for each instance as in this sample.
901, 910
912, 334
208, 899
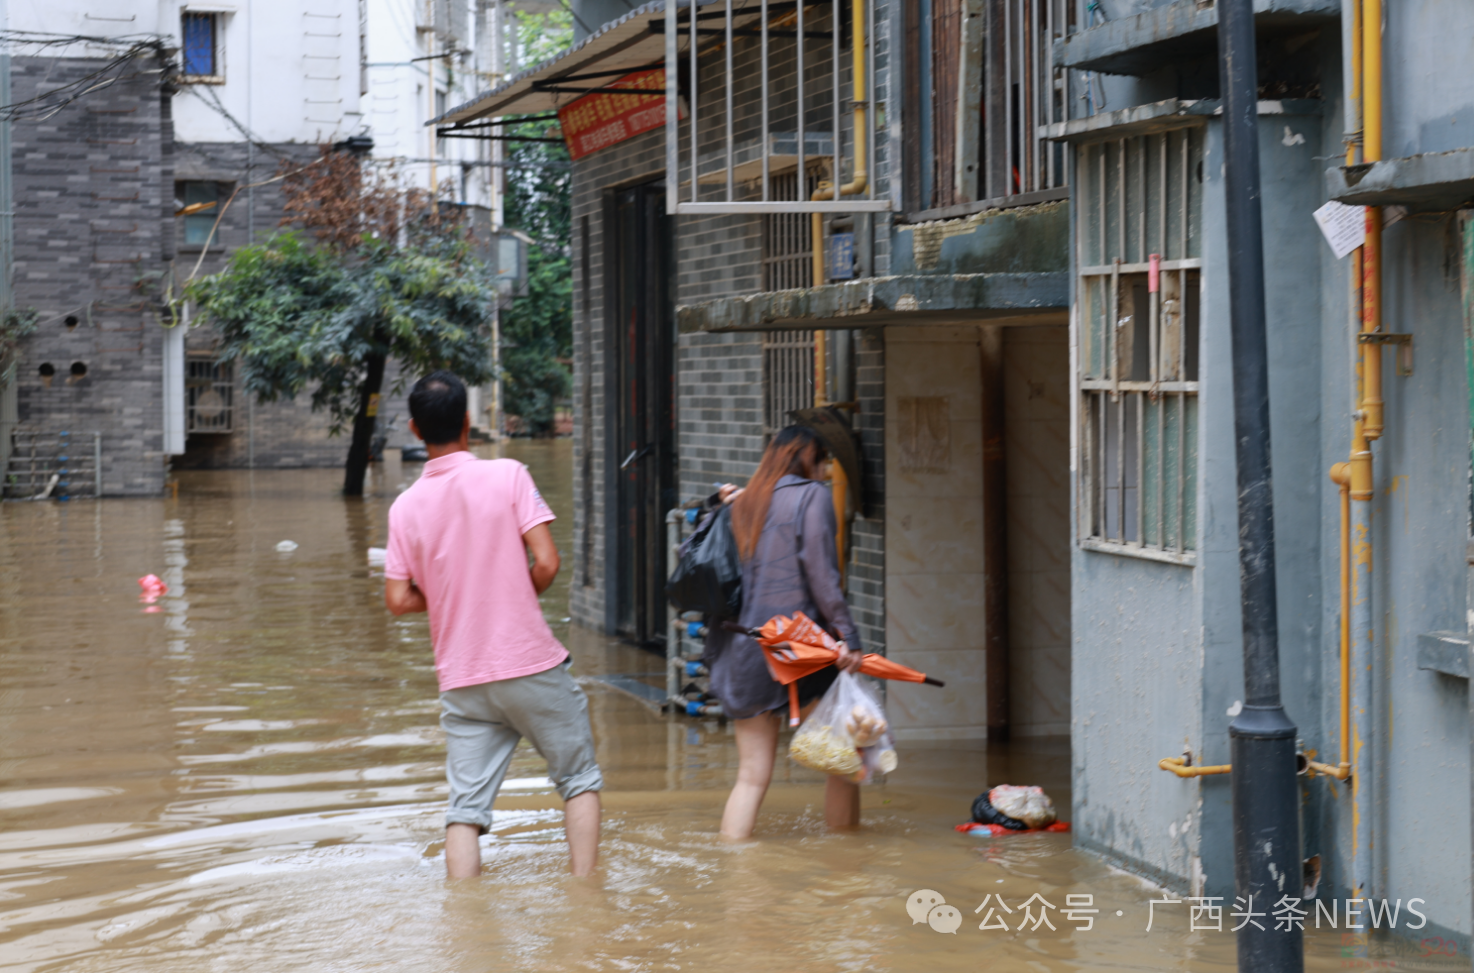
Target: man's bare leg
581, 823
462, 851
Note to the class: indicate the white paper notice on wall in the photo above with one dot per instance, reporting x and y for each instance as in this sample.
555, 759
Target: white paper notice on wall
1345, 227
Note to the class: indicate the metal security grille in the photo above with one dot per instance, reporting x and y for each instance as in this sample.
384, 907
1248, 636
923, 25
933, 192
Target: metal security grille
1140, 200
1025, 93
788, 257
199, 52
59, 465
719, 174
946, 60
981, 92
209, 396
788, 376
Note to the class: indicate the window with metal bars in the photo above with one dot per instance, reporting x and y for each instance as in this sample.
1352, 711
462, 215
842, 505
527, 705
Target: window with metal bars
788, 257
200, 52
788, 376
980, 89
1139, 201
209, 387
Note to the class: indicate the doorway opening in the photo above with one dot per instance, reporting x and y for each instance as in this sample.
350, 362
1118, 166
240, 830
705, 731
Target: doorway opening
1026, 512
977, 527
641, 337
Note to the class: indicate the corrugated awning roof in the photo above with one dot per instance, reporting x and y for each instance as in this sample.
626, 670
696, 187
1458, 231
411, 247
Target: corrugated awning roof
627, 44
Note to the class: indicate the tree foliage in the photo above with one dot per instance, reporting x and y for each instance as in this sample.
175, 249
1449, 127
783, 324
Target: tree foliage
297, 317
389, 276
344, 202
537, 331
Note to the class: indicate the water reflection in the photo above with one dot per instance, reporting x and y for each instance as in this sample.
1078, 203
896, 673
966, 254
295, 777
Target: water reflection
251, 779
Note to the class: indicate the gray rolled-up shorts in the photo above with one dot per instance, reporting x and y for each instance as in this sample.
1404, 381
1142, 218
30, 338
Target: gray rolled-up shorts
484, 723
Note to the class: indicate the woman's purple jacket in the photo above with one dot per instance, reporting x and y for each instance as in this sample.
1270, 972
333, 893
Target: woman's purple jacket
794, 569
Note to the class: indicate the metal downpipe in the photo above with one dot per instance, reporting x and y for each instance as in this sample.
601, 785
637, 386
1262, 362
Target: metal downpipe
1263, 785
1361, 695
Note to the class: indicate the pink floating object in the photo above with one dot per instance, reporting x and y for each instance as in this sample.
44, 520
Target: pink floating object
153, 588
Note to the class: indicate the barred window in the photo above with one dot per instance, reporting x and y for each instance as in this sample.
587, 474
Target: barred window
209, 387
1140, 200
788, 256
788, 376
200, 51
980, 89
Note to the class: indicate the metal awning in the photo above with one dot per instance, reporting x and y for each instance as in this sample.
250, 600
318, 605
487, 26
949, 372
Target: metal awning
634, 42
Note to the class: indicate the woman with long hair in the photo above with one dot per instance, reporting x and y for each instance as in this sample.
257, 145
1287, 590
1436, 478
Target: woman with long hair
784, 525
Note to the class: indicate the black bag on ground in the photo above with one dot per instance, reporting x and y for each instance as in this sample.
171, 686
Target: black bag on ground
708, 577
983, 812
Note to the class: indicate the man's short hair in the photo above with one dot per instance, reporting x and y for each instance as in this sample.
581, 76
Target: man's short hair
437, 404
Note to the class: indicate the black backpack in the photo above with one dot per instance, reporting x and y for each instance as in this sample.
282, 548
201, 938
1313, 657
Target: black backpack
708, 577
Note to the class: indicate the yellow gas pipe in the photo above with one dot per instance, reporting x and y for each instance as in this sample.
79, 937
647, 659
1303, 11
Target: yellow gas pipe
1354, 477
816, 237
1341, 476
1178, 766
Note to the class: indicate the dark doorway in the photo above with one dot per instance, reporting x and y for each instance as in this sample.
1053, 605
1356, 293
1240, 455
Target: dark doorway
642, 337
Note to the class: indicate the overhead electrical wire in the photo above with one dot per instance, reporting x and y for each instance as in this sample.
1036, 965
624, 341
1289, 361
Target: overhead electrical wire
48, 103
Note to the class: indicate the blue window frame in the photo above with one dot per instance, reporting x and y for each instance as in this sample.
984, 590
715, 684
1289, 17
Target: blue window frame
199, 53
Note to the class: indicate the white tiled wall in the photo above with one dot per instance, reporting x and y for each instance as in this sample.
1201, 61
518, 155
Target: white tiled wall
934, 539
1036, 417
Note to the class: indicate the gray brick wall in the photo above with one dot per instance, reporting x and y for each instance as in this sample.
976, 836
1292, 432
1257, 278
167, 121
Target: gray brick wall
287, 433
94, 236
720, 409
719, 376
94, 207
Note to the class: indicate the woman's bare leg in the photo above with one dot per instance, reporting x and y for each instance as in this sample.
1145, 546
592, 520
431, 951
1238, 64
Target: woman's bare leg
757, 745
841, 803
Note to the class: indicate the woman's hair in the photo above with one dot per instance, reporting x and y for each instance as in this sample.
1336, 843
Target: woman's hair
784, 455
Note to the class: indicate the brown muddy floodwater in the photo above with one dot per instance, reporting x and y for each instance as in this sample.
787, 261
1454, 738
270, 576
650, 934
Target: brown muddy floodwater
250, 779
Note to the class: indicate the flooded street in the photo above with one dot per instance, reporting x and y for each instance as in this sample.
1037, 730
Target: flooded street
250, 778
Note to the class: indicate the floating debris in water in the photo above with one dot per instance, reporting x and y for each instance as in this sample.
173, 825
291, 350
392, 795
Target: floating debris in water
287, 547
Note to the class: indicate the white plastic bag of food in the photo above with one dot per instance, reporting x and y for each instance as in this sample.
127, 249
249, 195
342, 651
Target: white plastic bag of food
1027, 804
847, 734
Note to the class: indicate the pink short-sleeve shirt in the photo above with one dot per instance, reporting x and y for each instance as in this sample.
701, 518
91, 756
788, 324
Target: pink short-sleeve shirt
457, 534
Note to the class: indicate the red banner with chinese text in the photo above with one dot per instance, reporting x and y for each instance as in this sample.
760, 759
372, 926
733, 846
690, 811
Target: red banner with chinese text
599, 120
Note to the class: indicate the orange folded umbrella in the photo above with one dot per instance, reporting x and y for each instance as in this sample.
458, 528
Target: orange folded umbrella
797, 646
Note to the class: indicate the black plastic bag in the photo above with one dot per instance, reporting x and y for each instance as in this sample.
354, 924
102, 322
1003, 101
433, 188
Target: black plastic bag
708, 577
983, 812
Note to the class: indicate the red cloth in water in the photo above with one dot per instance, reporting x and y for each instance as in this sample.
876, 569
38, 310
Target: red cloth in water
972, 827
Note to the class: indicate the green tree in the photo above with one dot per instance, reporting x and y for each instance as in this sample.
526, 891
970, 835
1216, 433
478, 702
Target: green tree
329, 315
537, 331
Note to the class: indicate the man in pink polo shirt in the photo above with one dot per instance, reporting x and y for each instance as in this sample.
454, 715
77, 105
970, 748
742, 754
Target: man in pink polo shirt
458, 545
